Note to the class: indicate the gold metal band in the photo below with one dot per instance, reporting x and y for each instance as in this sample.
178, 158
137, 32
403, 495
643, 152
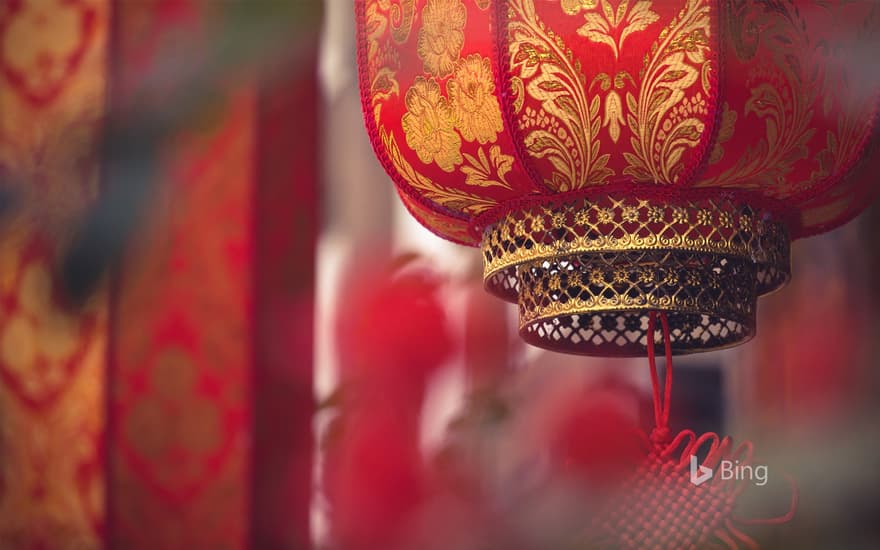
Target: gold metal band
586, 273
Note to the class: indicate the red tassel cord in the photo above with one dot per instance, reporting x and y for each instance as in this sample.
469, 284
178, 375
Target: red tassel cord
660, 506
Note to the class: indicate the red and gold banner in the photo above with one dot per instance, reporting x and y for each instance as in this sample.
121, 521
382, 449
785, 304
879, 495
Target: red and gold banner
180, 388
52, 355
127, 421
181, 339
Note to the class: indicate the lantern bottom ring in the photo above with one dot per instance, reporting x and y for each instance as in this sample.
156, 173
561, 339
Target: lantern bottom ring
587, 273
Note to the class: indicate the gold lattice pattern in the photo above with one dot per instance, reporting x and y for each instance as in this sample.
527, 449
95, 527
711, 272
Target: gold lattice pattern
586, 271
598, 303
623, 224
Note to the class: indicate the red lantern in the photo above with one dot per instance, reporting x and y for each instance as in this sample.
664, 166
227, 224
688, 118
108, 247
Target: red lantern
615, 158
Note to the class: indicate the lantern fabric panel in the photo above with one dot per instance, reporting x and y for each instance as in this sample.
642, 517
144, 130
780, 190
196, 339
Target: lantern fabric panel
799, 91
429, 138
651, 155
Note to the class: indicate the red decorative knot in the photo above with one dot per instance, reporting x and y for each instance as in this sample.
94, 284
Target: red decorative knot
671, 501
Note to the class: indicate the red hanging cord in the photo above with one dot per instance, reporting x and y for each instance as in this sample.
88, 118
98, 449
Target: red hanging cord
678, 512
785, 518
661, 405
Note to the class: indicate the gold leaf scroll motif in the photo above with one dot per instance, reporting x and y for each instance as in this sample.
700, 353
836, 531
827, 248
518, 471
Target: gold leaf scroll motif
611, 25
488, 171
402, 18
453, 199
565, 129
787, 114
664, 121
614, 112
383, 80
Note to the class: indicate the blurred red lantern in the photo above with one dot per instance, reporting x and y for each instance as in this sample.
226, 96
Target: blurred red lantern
392, 330
597, 437
614, 158
374, 479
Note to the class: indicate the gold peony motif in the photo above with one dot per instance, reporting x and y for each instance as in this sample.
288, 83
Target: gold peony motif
429, 125
471, 94
442, 36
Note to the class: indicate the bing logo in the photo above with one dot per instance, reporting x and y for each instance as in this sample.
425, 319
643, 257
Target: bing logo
699, 474
728, 470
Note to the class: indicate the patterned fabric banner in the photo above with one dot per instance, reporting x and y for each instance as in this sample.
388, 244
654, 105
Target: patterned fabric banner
127, 415
180, 397
52, 354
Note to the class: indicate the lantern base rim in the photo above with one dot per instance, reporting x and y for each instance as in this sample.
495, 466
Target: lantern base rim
586, 273
540, 334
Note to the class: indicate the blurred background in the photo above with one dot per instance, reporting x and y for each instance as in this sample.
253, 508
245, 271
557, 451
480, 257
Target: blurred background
219, 327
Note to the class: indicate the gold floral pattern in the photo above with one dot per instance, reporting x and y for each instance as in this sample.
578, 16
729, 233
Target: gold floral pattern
444, 225
430, 110
442, 36
621, 94
454, 199
404, 14
429, 125
383, 83
571, 7
614, 112
471, 94
785, 102
614, 91
565, 131
665, 114
666, 118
